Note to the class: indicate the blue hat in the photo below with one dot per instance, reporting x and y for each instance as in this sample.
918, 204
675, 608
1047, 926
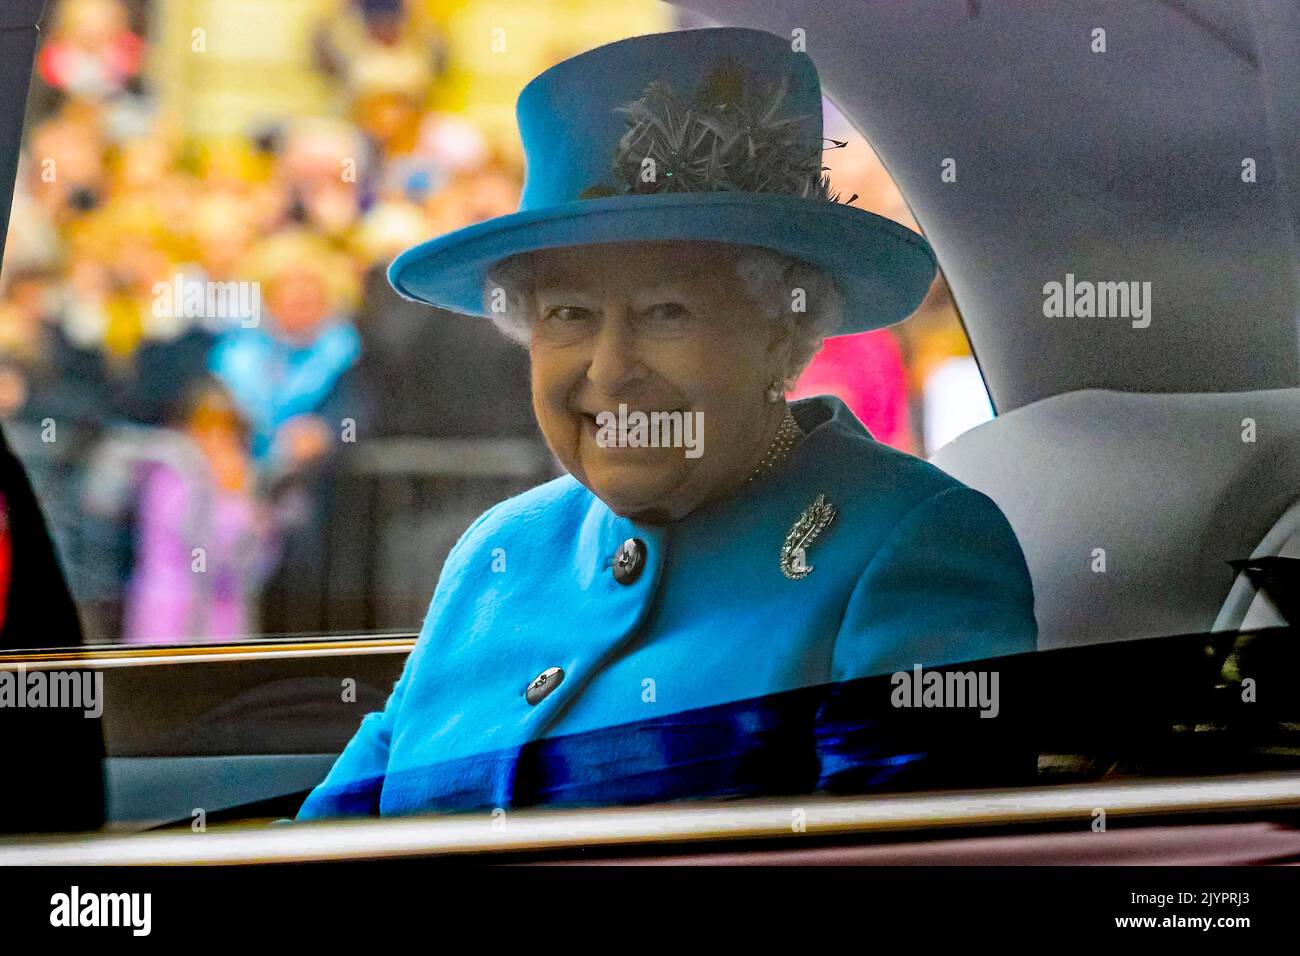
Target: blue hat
711, 135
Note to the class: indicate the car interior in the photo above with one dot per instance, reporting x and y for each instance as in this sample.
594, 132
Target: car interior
1137, 449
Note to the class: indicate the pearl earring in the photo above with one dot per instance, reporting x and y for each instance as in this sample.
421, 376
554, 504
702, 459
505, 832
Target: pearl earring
775, 392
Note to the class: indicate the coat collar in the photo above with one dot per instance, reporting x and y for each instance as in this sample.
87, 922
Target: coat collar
828, 426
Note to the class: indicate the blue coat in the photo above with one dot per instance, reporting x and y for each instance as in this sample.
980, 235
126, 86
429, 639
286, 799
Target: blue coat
661, 675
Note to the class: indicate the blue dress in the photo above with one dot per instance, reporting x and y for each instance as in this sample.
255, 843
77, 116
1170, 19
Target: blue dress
710, 671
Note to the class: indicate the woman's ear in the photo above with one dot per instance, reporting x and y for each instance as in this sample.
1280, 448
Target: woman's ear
780, 337
780, 348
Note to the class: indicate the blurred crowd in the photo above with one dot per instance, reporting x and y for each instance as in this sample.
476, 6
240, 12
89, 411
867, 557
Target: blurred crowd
192, 333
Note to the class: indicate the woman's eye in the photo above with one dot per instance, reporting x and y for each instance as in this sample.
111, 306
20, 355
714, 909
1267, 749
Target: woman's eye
567, 314
666, 312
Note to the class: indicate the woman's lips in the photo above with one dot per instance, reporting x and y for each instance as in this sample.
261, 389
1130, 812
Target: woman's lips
593, 429
632, 411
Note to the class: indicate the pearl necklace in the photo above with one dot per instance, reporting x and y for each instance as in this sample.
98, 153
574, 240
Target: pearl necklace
787, 434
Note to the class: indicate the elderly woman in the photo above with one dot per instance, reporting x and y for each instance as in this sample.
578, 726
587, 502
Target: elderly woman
676, 616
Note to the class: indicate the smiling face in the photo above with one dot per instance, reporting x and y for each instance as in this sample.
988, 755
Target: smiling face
299, 300
657, 327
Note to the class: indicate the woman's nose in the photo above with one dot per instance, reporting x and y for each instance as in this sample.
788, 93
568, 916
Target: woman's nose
614, 362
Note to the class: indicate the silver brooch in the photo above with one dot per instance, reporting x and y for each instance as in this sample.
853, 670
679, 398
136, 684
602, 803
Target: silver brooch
794, 553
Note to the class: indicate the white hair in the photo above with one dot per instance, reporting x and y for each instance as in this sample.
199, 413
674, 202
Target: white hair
785, 289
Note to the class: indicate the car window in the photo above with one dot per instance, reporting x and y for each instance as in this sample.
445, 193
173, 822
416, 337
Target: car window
203, 483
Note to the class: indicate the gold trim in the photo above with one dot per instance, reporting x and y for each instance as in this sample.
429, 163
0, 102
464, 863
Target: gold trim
119, 656
531, 830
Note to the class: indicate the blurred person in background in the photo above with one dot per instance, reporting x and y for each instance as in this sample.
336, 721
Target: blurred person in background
68, 174
203, 540
441, 380
481, 382
92, 53
867, 373
43, 374
321, 167
94, 58
294, 377
207, 224
384, 57
247, 171
292, 374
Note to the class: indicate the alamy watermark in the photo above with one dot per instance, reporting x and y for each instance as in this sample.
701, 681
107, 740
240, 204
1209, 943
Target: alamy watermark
73, 690
75, 908
1084, 299
921, 688
638, 429
185, 298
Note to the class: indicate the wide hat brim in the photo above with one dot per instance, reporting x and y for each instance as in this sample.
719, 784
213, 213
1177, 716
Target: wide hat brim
881, 269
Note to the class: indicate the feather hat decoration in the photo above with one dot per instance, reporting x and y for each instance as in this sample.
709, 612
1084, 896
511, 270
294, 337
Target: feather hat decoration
733, 135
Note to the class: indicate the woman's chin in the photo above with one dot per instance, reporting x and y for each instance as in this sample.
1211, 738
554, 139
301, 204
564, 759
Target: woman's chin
629, 494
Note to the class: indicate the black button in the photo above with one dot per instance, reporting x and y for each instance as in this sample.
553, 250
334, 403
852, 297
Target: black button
543, 684
629, 561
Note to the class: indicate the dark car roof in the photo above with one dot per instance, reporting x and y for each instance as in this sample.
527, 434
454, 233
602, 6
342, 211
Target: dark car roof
1117, 166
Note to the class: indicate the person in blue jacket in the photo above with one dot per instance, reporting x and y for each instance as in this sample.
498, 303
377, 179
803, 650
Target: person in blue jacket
679, 615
